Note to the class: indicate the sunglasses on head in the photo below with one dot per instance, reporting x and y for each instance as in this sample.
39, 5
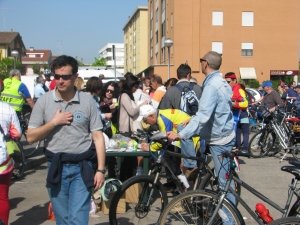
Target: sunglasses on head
110, 91
64, 77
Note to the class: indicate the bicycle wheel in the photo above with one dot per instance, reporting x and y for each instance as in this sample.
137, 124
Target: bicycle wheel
19, 167
261, 143
212, 183
29, 149
197, 207
286, 221
296, 152
135, 191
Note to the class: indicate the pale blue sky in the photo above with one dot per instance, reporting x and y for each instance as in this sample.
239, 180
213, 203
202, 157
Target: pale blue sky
72, 27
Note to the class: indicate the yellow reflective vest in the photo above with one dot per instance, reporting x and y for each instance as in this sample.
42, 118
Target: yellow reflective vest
11, 94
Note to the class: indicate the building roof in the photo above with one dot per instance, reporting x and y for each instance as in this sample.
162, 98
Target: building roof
46, 55
8, 37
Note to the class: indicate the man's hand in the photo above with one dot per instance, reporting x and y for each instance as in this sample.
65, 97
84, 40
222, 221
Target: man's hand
108, 116
99, 179
184, 123
60, 118
145, 147
173, 136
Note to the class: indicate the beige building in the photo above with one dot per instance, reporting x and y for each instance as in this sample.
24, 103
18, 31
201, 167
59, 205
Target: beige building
136, 41
256, 38
10, 41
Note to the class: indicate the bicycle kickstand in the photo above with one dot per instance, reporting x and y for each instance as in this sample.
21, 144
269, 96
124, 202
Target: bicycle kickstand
286, 152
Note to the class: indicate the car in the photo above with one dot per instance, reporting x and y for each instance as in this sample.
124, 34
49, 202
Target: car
255, 93
250, 97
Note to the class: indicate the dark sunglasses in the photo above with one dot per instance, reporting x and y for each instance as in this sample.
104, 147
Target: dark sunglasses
202, 60
64, 77
228, 81
110, 91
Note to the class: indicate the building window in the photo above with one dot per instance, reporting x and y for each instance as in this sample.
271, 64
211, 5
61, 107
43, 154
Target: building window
156, 15
37, 55
247, 19
217, 47
163, 54
156, 36
247, 49
217, 18
172, 20
163, 5
163, 29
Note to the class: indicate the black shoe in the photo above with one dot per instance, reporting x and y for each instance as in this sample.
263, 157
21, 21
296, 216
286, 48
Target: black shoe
243, 153
169, 185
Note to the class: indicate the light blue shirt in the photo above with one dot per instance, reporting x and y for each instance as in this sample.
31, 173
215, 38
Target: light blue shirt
214, 119
39, 90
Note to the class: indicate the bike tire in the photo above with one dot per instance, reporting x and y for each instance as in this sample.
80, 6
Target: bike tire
196, 207
19, 167
295, 210
212, 182
29, 149
286, 221
296, 153
261, 143
135, 212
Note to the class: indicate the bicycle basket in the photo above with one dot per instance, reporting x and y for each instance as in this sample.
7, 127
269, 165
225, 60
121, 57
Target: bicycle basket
266, 114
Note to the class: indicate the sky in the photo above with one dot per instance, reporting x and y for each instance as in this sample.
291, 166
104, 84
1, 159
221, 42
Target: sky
72, 27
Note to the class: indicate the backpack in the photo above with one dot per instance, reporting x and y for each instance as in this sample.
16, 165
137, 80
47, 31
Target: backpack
189, 102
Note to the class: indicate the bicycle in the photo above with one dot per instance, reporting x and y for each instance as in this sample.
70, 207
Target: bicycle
208, 207
19, 161
277, 132
150, 194
24, 116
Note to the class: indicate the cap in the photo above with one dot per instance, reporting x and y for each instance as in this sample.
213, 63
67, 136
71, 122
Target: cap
267, 84
230, 75
285, 85
298, 86
101, 76
145, 111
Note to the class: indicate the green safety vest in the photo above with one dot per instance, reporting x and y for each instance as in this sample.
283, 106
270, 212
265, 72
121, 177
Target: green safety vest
11, 95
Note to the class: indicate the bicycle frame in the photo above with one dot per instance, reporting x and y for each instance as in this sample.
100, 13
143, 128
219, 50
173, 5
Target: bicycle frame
223, 193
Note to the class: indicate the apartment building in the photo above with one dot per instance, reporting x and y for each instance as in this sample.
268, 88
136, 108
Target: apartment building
136, 41
106, 52
257, 39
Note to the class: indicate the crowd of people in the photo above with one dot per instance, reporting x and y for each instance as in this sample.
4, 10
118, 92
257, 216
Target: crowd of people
74, 118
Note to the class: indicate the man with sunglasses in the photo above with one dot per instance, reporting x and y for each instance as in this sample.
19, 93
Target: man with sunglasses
68, 121
214, 120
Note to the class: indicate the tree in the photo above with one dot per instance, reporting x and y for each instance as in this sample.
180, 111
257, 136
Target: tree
99, 62
80, 62
6, 65
36, 68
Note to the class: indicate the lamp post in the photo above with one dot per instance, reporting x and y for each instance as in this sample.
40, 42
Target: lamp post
15, 54
168, 43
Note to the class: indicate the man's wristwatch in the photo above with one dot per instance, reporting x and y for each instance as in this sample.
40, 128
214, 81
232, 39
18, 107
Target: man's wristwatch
102, 171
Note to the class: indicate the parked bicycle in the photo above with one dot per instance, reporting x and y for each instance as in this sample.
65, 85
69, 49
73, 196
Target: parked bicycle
148, 192
208, 207
278, 132
24, 116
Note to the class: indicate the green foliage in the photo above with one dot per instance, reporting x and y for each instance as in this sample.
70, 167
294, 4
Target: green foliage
249, 83
6, 65
36, 68
99, 62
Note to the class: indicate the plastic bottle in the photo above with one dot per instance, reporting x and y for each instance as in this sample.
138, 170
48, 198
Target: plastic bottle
264, 213
183, 179
223, 215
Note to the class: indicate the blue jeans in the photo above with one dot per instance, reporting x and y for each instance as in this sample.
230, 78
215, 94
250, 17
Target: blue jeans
187, 148
221, 168
70, 198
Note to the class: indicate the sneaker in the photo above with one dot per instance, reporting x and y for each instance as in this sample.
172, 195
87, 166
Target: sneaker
139, 171
191, 174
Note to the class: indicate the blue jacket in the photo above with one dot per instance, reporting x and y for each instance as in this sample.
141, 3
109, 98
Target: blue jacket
214, 119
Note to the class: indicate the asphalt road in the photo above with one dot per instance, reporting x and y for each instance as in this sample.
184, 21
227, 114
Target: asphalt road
29, 198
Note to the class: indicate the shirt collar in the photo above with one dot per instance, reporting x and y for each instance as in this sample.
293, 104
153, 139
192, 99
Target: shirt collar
74, 99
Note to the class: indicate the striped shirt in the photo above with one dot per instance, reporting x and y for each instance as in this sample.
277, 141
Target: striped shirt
10, 125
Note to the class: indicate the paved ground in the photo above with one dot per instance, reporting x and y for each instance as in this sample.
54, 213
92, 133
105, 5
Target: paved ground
29, 199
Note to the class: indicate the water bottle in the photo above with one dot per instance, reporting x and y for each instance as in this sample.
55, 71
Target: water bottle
223, 215
264, 213
183, 180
